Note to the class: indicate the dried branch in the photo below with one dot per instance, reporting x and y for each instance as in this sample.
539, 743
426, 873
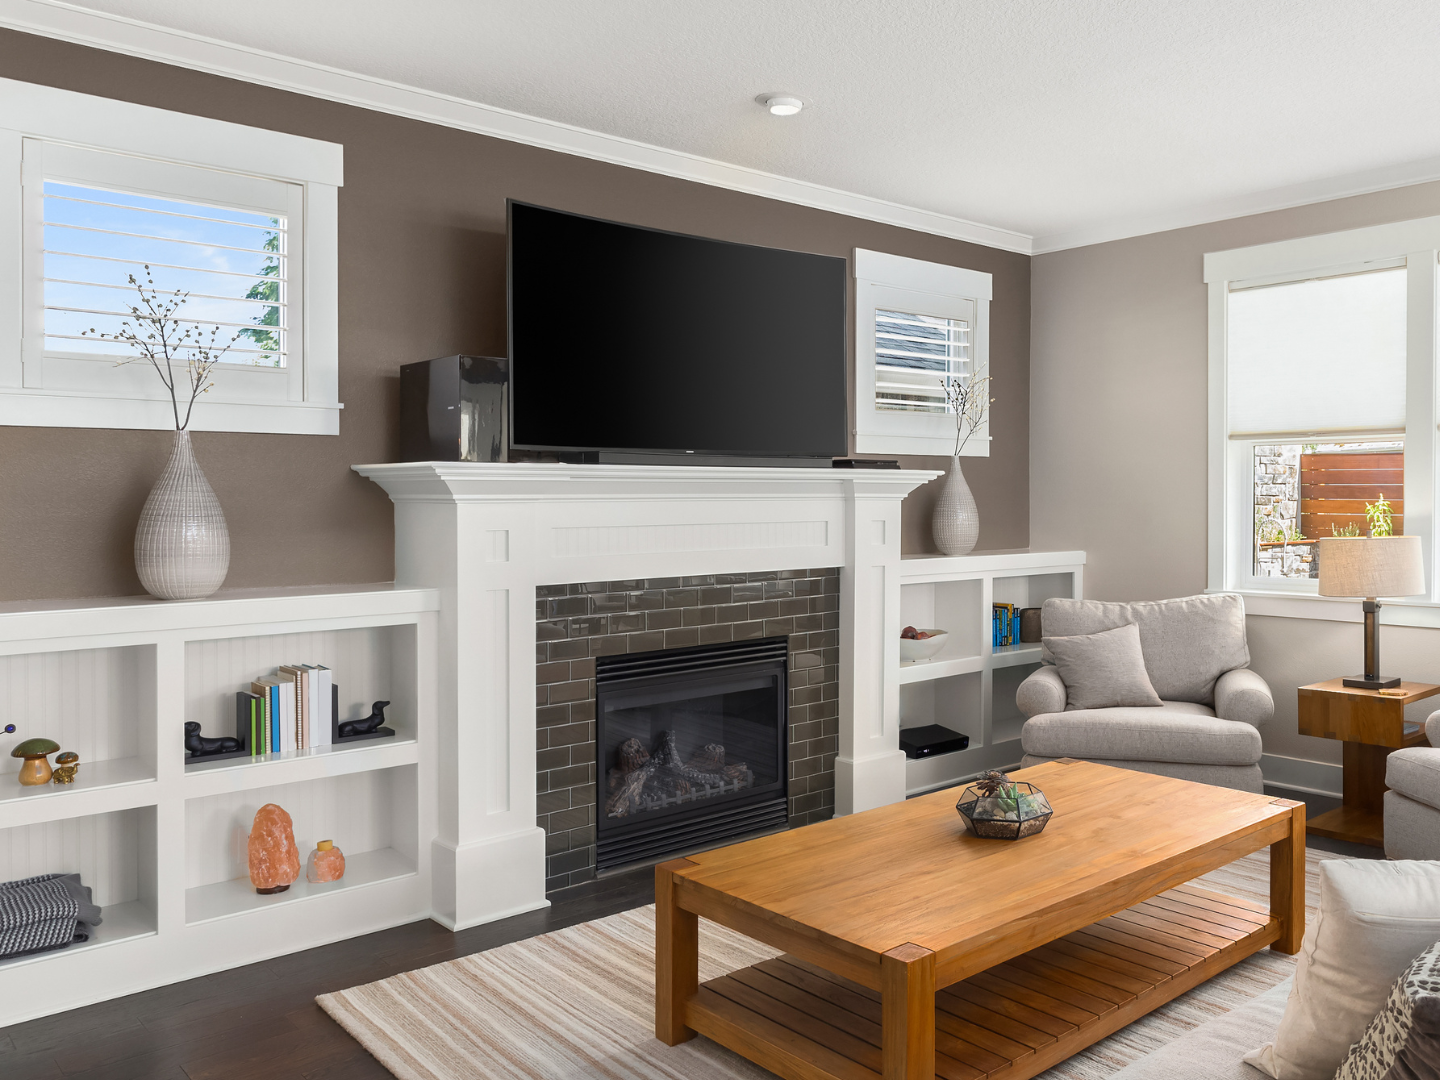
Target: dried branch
161, 339
967, 396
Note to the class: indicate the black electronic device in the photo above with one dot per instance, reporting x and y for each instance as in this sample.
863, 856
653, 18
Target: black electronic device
636, 344
454, 409
919, 742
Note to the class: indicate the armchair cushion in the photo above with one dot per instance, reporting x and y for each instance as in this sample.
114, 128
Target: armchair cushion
1432, 728
1243, 695
1415, 773
1103, 670
1187, 643
1178, 731
1042, 691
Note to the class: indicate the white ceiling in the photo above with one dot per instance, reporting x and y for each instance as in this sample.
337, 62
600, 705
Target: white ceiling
1066, 120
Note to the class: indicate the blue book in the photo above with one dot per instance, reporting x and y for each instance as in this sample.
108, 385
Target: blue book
274, 718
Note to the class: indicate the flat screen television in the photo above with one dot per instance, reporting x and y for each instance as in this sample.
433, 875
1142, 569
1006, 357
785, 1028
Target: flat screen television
635, 341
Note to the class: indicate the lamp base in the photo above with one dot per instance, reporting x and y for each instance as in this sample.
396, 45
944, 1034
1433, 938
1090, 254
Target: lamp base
1359, 682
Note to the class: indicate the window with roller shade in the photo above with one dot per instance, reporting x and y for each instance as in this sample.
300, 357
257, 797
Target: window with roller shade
1322, 401
1317, 378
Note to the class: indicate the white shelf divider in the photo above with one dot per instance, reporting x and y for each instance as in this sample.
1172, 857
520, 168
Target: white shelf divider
238, 897
962, 692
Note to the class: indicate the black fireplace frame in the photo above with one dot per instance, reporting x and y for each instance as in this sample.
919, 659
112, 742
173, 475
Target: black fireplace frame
664, 832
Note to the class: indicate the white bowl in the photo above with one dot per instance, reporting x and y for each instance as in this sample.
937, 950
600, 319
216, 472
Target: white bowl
923, 649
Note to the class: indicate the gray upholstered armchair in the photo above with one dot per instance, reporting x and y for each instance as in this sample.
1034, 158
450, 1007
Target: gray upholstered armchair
1196, 658
1412, 805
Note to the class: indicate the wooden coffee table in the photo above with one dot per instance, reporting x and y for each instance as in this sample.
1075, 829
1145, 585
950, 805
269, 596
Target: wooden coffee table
914, 950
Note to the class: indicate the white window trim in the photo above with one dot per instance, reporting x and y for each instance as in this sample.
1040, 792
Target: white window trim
309, 403
1416, 245
923, 288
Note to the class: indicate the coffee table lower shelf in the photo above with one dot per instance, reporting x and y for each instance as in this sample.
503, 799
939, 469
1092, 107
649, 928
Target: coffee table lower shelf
1007, 1023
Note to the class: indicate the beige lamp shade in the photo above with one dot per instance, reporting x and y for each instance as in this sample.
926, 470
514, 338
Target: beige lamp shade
1371, 566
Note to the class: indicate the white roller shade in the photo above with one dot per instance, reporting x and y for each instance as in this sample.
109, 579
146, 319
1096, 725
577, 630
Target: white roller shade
1326, 355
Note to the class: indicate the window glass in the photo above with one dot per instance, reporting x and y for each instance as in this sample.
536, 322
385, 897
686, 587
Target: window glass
1304, 491
231, 263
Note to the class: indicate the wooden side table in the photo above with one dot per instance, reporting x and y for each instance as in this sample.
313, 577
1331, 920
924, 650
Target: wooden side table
1371, 725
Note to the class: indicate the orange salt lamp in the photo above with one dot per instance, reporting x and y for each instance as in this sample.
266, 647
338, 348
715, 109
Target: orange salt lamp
274, 859
326, 863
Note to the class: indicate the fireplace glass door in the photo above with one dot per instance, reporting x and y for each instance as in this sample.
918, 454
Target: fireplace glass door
690, 746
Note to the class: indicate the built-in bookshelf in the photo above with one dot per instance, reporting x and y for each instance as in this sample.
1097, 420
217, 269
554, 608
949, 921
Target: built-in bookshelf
161, 840
969, 686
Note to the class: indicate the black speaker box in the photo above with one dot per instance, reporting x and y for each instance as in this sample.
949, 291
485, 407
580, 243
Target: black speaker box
455, 409
919, 742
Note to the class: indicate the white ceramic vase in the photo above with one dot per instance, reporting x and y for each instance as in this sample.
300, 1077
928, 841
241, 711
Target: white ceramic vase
182, 546
956, 524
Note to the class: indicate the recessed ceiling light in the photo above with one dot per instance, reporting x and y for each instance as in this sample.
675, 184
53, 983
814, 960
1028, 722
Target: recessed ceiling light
782, 104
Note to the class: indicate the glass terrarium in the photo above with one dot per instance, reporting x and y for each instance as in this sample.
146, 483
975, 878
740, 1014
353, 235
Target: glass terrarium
997, 808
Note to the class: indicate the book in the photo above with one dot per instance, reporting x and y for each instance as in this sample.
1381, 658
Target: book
268, 687
321, 722
1003, 625
245, 705
300, 678
287, 711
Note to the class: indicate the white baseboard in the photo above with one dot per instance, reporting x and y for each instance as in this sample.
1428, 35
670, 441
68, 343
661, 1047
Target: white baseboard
1311, 777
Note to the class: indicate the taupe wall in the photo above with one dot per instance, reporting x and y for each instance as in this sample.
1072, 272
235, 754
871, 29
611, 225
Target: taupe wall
1118, 432
422, 273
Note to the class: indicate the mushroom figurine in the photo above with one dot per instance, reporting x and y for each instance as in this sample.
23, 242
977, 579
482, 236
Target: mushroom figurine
66, 766
35, 769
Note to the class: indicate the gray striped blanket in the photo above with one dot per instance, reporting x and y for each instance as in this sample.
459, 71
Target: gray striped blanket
45, 912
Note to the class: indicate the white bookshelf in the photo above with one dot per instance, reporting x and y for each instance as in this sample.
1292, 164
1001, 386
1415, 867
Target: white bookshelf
970, 686
161, 842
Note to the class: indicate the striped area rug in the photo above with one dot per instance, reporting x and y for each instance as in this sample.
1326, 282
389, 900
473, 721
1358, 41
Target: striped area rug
578, 1003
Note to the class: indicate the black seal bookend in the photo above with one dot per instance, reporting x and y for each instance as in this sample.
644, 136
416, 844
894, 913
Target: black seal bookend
368, 728
199, 746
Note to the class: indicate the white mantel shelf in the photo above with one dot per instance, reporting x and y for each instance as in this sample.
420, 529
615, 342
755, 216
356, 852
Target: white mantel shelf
486, 535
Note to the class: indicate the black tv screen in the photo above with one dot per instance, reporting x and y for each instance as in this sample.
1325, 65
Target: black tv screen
631, 339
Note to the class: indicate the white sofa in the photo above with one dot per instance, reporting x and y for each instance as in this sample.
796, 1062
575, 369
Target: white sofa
1197, 659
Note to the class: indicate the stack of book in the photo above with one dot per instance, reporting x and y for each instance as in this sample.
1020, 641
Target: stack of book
1004, 625
290, 710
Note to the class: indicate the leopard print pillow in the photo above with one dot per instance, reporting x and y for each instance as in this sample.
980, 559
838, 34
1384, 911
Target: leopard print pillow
1403, 1041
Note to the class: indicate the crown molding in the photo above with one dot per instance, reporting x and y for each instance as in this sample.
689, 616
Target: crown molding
64, 22
1386, 178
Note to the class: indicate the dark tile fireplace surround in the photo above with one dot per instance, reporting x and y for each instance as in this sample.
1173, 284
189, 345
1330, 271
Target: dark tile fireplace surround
576, 623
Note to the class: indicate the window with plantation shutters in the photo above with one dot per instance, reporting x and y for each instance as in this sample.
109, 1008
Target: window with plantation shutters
117, 206
918, 326
915, 355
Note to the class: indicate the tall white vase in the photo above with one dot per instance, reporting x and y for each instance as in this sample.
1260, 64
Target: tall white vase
182, 546
956, 524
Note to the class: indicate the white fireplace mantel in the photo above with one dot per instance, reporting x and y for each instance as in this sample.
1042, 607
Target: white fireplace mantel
486, 535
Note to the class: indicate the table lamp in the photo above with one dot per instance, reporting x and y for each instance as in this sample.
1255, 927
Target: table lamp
1369, 567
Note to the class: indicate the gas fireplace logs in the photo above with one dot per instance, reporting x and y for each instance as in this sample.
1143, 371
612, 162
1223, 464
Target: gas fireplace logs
645, 781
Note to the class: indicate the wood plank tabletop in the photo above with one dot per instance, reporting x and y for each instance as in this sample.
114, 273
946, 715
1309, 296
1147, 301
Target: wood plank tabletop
856, 887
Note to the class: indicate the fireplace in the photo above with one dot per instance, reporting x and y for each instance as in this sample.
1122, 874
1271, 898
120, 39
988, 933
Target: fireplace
690, 747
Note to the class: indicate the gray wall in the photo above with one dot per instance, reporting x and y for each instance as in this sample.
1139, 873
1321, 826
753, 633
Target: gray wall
1118, 433
422, 274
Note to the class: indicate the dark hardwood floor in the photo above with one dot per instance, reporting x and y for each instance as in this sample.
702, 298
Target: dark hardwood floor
261, 1022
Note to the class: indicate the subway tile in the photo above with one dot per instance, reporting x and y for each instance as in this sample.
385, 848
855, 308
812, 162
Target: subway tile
566, 606
763, 575
681, 598
546, 760
804, 732
626, 585
547, 591
591, 588
719, 594
646, 642
577, 690
556, 842
551, 715
778, 627
807, 660
552, 801
609, 603
682, 638
583, 753
701, 582
572, 649
731, 613
573, 860
630, 623
583, 669
699, 616
792, 575
746, 630
542, 695
583, 795
663, 620
542, 652
804, 695
554, 882
795, 788
730, 579
715, 633
608, 646
831, 620
553, 672
582, 837
746, 593
582, 712
779, 590
829, 744
806, 623
572, 733
589, 626
565, 820
549, 630
830, 725
573, 776
650, 600
662, 583
824, 709
767, 609
803, 805
794, 606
